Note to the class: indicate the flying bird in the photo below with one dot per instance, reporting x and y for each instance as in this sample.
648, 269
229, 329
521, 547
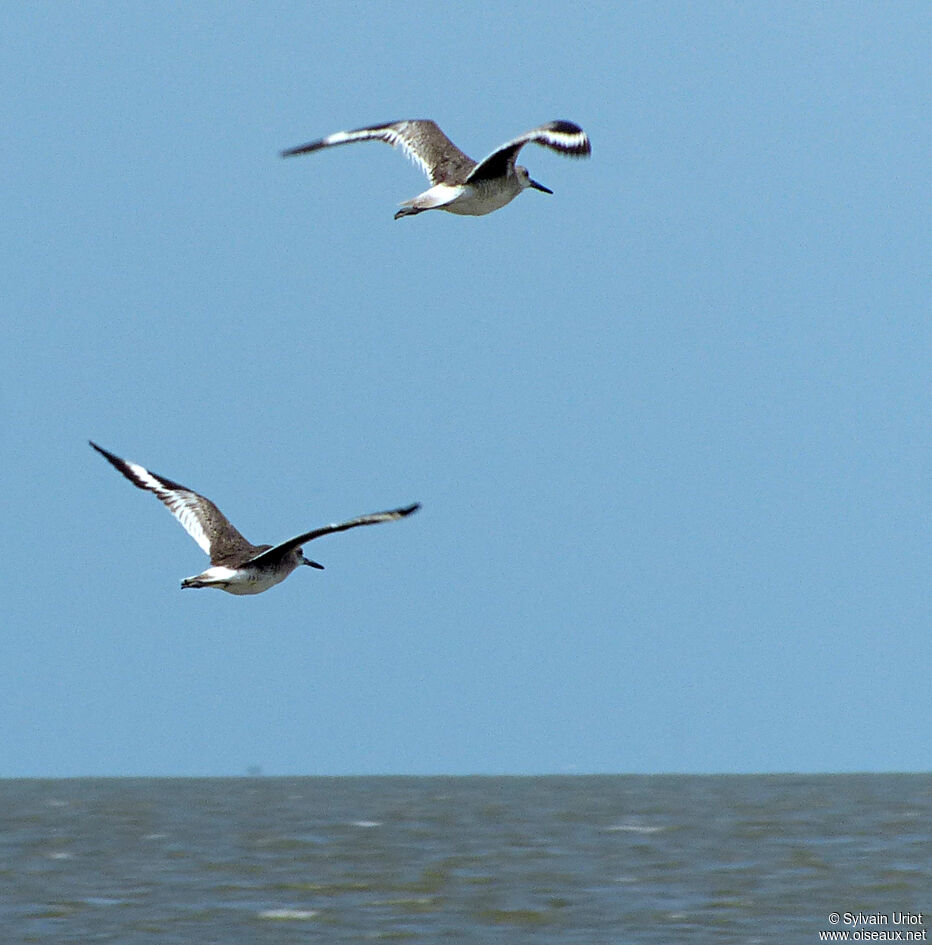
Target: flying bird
459, 184
236, 565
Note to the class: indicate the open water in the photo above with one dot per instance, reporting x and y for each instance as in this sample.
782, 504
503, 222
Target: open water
613, 859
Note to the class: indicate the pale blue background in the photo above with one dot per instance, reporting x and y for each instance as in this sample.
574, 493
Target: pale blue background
670, 426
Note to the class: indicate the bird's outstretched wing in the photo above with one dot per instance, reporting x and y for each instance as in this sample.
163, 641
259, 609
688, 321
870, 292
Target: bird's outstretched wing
199, 517
420, 139
375, 518
565, 137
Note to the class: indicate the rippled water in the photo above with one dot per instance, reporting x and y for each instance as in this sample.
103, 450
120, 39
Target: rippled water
615, 859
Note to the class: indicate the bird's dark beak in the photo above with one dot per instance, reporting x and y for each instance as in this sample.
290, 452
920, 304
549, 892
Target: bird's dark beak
311, 564
540, 187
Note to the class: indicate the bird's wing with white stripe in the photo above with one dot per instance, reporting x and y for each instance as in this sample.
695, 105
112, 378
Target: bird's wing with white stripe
199, 517
565, 137
374, 519
421, 140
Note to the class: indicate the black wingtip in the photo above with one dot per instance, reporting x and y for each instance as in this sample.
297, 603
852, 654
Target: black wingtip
107, 455
301, 149
566, 127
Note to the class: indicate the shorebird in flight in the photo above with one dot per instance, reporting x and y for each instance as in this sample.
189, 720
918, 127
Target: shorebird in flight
458, 183
236, 565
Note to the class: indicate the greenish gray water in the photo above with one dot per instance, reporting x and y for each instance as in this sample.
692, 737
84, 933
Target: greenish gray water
607, 859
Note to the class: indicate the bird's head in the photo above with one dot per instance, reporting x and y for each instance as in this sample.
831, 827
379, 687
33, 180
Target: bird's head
526, 180
309, 563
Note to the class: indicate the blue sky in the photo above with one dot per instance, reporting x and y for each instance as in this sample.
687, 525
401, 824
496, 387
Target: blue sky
669, 426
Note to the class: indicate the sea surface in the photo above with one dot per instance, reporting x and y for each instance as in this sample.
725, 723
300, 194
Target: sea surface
601, 859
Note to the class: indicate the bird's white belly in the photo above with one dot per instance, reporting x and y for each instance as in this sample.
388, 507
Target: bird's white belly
239, 582
473, 200
477, 201
254, 583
